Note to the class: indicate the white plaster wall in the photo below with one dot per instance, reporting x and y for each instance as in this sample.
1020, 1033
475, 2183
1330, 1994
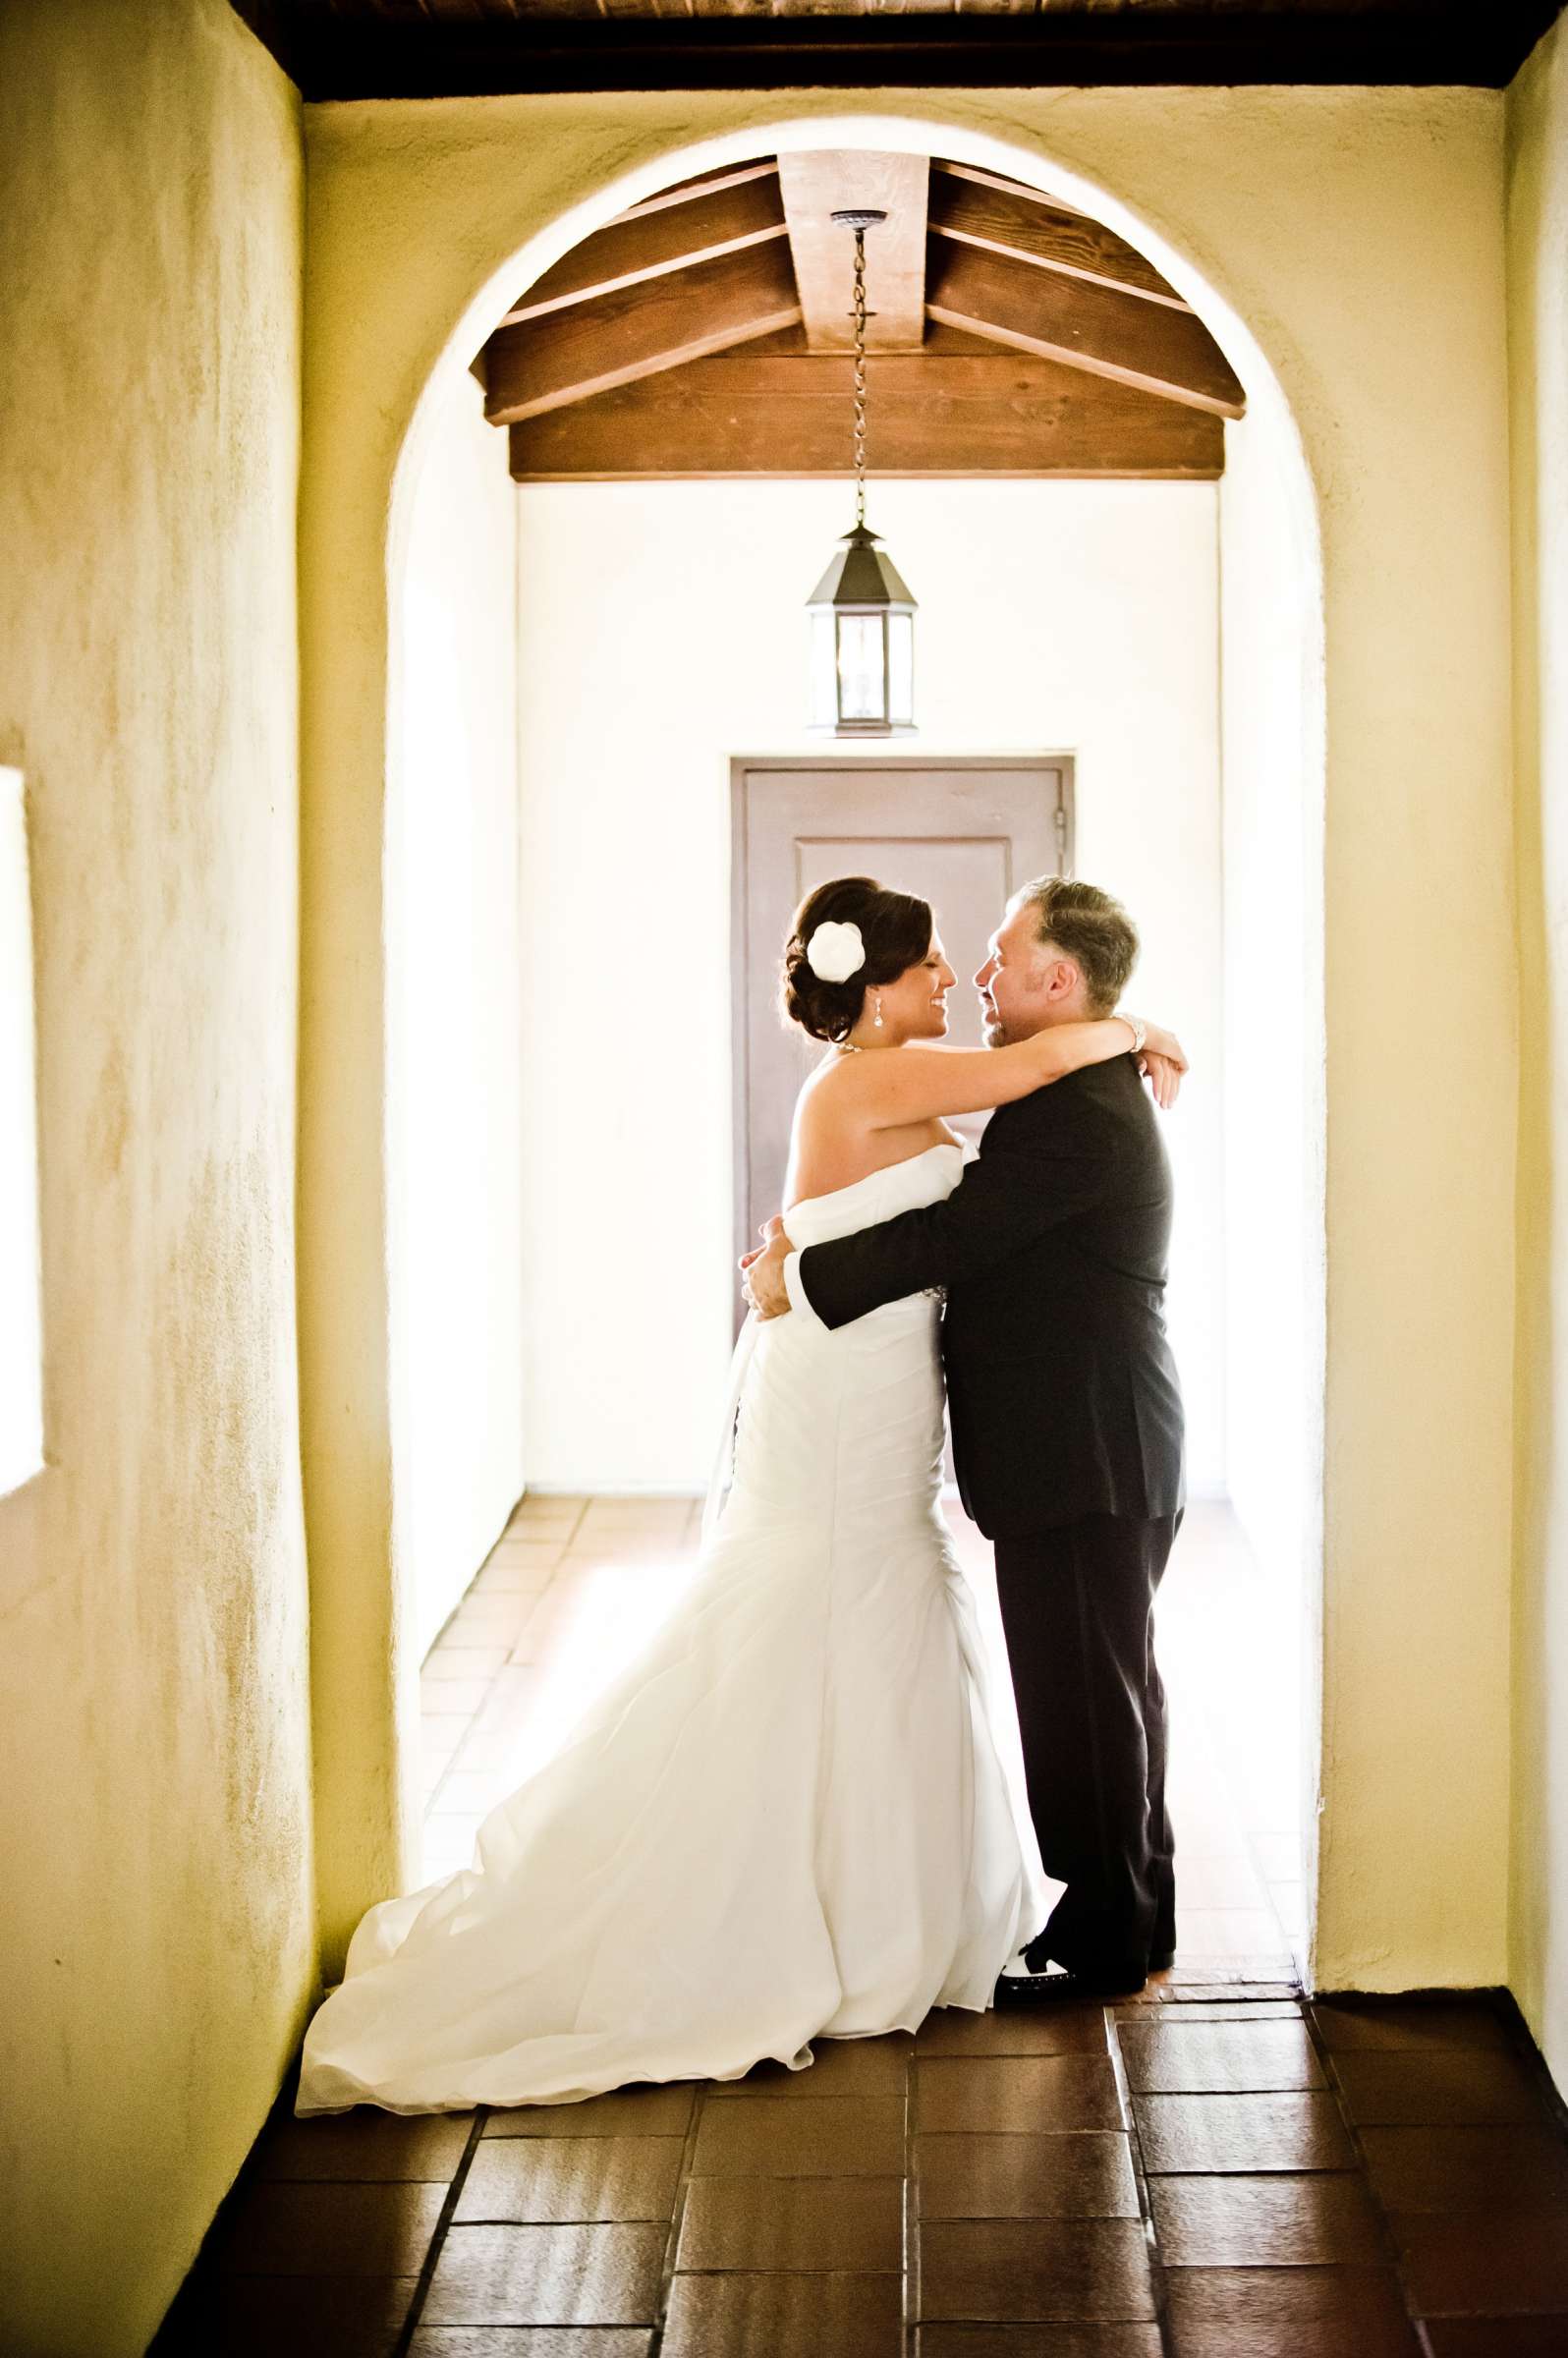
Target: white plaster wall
456, 1056
1272, 962
159, 1944
1538, 328
662, 631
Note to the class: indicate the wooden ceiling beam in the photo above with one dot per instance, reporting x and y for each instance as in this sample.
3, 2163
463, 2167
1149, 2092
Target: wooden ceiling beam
658, 323
1104, 331
814, 187
643, 244
977, 209
458, 48
959, 409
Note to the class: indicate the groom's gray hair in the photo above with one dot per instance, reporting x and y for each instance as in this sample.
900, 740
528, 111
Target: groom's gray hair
1089, 927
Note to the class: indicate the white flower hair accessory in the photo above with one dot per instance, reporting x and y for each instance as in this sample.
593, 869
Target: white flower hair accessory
835, 952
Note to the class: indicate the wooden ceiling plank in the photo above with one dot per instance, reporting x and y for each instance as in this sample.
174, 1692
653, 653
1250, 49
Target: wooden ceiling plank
1029, 229
659, 323
815, 185
958, 413
701, 183
642, 246
1000, 180
1097, 328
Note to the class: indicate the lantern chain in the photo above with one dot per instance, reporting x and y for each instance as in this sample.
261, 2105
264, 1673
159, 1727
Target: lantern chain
860, 377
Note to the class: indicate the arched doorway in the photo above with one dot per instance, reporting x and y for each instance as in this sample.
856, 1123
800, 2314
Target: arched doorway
662, 531
364, 1688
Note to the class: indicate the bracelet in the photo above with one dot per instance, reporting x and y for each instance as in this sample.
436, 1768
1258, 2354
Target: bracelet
1140, 1034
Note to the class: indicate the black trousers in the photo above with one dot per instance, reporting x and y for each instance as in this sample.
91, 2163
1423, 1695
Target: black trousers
1077, 1612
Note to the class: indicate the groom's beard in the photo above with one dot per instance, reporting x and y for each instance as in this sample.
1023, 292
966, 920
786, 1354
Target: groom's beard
995, 1034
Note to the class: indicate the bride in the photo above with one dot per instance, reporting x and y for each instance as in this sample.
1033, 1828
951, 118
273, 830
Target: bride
788, 1820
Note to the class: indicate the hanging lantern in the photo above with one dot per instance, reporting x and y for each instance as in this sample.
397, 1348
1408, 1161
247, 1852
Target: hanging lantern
863, 616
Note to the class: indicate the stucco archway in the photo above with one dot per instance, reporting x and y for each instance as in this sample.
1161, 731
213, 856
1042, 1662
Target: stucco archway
424, 220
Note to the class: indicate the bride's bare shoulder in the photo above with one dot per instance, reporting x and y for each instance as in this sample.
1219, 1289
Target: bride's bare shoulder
834, 1102
835, 1077
851, 1079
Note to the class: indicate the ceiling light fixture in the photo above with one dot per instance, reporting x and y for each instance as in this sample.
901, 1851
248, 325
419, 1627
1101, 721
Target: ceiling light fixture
863, 616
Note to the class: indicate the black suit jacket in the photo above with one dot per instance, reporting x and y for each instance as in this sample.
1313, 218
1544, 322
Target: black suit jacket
1061, 1387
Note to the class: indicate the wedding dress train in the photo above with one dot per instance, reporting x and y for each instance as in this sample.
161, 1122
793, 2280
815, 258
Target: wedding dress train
787, 1819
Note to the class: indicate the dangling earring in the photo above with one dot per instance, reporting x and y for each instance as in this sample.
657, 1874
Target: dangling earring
877, 1020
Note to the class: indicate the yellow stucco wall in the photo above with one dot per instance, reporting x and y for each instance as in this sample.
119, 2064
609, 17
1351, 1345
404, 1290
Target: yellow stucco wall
1359, 234
154, 1748
1538, 330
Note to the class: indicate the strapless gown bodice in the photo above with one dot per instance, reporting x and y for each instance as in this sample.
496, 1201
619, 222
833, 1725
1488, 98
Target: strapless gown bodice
872, 1389
787, 1819
924, 1178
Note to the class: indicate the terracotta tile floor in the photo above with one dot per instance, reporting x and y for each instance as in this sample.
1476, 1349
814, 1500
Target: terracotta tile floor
1217, 2169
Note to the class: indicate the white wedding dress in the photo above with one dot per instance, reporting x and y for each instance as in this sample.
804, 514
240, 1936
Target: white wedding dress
787, 1819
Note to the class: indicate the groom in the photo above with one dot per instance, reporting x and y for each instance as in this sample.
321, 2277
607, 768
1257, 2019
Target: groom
1066, 1425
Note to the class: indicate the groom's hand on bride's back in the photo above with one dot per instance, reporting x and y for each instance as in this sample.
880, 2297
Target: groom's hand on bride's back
763, 1273
769, 1230
774, 1227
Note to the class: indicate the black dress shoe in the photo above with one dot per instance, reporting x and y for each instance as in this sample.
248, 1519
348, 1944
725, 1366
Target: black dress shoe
1037, 1957
1060, 1988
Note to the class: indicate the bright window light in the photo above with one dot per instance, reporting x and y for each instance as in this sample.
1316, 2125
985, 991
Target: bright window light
21, 1338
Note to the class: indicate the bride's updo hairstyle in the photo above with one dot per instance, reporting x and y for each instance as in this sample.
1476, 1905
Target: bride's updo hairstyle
895, 928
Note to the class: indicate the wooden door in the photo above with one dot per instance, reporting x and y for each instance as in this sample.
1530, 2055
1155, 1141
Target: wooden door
964, 835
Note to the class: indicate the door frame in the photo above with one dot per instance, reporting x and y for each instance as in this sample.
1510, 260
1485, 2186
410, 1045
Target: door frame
852, 764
